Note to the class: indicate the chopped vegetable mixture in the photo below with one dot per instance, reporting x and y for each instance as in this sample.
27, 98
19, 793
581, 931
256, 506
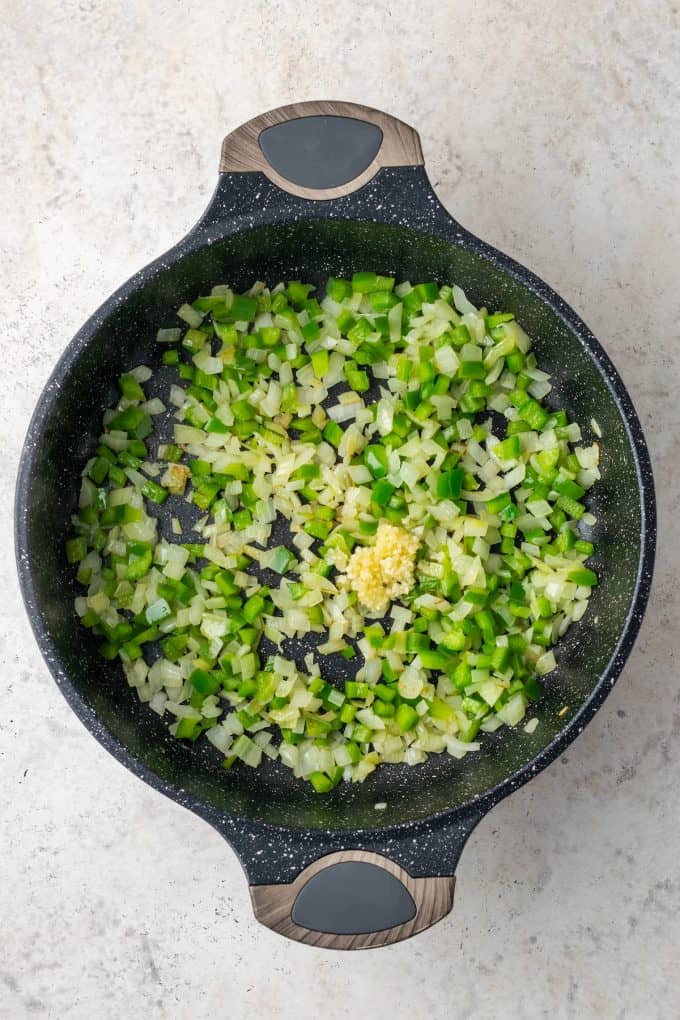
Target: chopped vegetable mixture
375, 466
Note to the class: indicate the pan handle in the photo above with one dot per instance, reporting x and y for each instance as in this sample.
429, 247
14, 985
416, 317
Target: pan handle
320, 150
353, 899
392, 885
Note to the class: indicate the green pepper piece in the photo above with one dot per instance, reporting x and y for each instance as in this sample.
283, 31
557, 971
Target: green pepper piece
76, 549
204, 682
130, 387
583, 576
406, 717
132, 420
450, 483
338, 290
156, 493
375, 459
382, 492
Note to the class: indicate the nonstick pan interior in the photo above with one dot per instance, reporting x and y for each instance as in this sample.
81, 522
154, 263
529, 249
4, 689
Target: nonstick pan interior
69, 421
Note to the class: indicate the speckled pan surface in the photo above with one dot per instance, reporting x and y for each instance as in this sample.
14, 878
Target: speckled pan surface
395, 225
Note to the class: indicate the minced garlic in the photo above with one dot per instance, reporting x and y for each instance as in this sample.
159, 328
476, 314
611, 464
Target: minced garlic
385, 570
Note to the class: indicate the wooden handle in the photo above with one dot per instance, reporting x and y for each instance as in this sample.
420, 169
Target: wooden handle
336, 897
397, 145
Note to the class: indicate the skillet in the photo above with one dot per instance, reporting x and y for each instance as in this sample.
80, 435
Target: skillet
306, 191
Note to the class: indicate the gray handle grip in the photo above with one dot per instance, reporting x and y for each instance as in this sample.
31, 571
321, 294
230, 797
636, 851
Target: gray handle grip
353, 899
320, 150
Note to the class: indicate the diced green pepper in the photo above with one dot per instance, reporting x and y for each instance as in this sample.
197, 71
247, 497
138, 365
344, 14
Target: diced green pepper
130, 387
204, 682
155, 492
253, 608
333, 434
382, 492
320, 361
508, 449
243, 308
76, 549
406, 717
583, 576
449, 484
375, 459
498, 503
338, 290
132, 420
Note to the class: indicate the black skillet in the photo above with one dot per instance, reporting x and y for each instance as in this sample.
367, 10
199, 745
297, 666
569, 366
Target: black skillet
305, 191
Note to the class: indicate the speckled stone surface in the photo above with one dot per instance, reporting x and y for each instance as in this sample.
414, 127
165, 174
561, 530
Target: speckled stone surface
564, 153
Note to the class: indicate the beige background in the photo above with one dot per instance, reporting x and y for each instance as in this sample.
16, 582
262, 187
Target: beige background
552, 130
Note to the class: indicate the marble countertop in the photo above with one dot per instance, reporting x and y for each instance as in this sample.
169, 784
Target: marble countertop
550, 129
